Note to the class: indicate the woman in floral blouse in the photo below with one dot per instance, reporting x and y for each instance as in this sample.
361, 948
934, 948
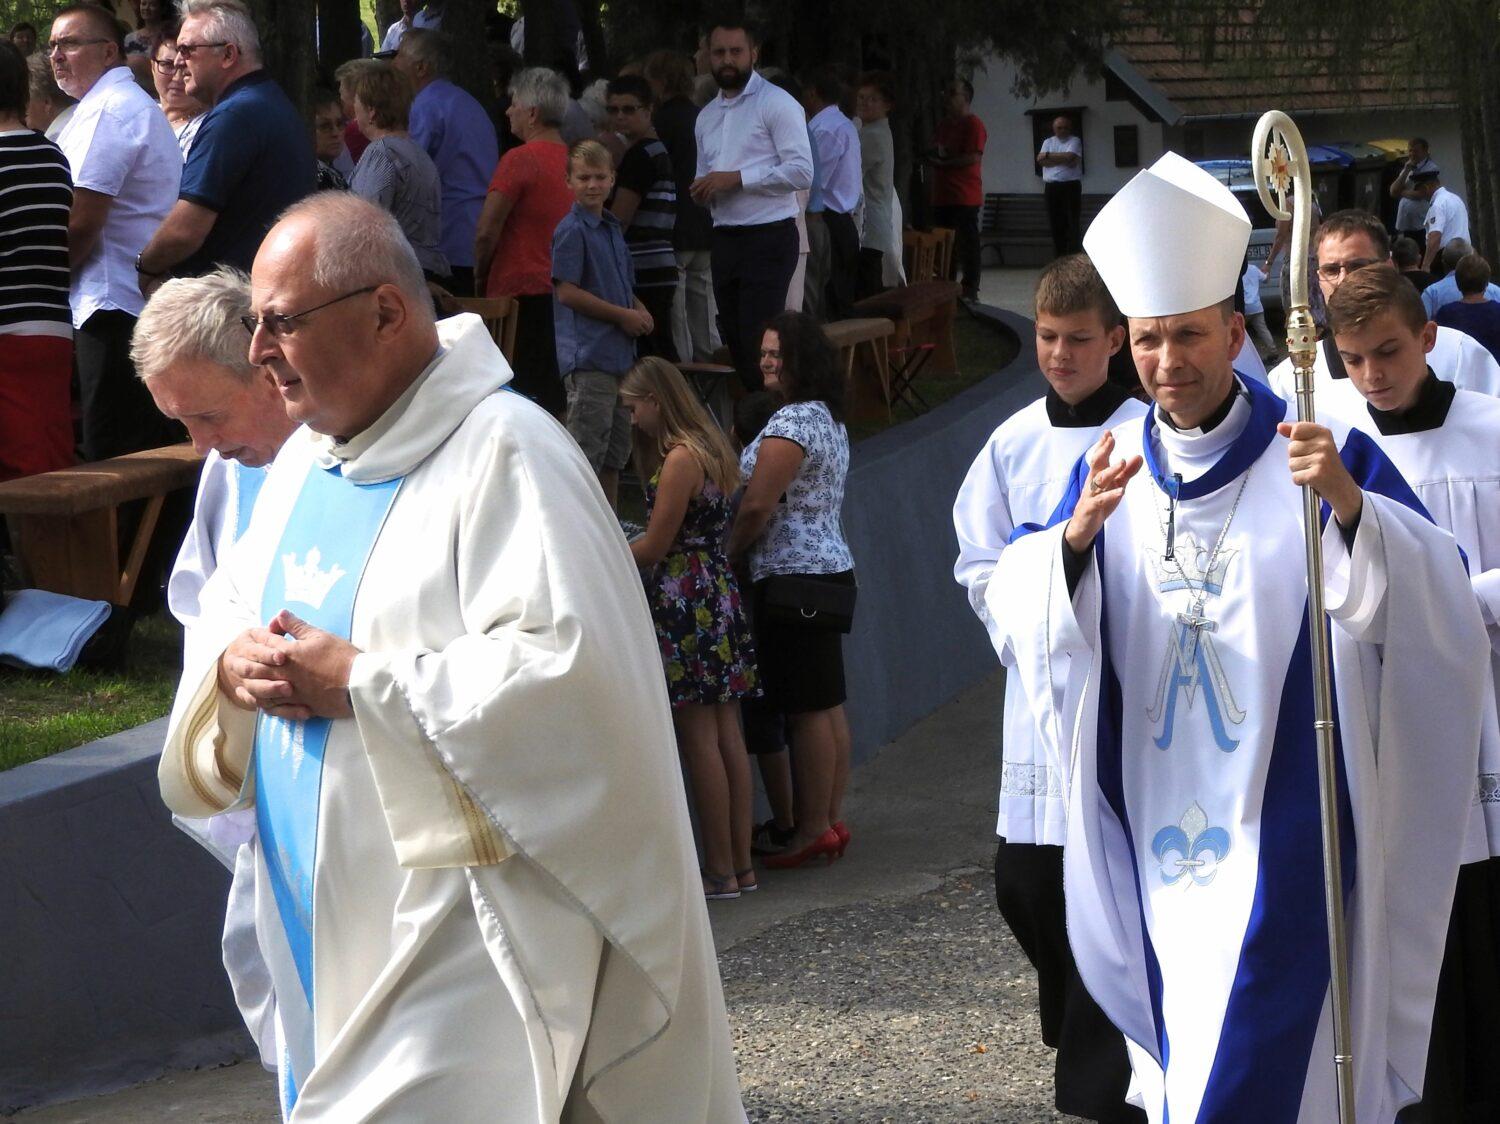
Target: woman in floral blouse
691, 473
789, 523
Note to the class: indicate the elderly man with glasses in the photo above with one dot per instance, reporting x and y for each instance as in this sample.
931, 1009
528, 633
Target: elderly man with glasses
428, 668
252, 157
125, 166
1347, 241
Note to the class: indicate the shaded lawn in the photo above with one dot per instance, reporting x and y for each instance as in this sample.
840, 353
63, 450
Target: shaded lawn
42, 714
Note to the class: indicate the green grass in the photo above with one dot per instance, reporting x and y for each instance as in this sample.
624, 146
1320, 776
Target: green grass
42, 714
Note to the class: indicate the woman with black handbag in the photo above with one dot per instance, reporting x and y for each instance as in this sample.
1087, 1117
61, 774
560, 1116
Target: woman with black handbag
804, 590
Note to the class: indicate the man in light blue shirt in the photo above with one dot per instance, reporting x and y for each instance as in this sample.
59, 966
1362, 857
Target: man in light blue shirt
833, 260
453, 128
1445, 290
414, 14
753, 156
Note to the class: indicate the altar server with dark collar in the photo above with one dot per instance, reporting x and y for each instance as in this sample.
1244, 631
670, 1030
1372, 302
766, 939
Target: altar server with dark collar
1160, 630
1446, 442
1018, 479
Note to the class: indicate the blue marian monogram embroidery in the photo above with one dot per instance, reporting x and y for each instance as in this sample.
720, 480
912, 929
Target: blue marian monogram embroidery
1190, 847
1192, 661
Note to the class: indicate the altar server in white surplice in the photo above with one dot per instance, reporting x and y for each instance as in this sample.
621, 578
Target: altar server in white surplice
1446, 443
1351, 240
1160, 629
429, 667
1015, 482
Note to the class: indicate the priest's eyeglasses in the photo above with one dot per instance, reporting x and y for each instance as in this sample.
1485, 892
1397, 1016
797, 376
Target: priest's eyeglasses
284, 324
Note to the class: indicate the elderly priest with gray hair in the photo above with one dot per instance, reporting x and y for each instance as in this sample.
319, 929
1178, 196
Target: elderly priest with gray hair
1159, 625
429, 668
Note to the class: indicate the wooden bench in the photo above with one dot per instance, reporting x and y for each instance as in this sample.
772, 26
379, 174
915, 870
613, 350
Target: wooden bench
922, 315
873, 333
64, 525
1015, 226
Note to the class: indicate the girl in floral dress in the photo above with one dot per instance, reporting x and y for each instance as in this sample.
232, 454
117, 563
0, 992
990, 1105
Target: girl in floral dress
691, 473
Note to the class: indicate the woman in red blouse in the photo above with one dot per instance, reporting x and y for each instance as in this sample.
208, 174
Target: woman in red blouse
528, 196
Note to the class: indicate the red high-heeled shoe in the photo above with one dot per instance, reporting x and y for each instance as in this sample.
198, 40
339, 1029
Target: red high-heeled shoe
843, 833
826, 845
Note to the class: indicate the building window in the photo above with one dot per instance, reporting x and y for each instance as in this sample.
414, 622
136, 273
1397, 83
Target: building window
1041, 128
1127, 146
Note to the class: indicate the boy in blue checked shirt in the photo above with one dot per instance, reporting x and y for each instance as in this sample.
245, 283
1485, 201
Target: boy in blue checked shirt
597, 315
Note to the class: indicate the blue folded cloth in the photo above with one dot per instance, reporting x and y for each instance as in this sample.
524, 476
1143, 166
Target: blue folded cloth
47, 630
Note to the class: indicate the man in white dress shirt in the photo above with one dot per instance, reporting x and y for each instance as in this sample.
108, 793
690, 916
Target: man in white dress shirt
414, 14
754, 154
1447, 216
1061, 161
126, 166
190, 348
1353, 239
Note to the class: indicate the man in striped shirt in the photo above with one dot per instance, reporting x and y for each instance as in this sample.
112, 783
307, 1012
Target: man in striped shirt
36, 322
645, 202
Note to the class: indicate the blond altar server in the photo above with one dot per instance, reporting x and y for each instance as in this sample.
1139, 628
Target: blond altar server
1160, 629
429, 668
1348, 241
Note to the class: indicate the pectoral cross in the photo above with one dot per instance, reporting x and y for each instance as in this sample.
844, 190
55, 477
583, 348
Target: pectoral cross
1194, 625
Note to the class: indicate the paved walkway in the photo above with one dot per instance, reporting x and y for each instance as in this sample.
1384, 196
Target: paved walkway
883, 988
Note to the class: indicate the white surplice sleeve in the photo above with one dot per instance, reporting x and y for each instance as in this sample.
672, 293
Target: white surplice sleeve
983, 523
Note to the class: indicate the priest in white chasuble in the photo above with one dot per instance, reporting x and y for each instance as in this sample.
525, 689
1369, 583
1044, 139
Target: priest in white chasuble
1347, 241
1160, 623
1446, 443
429, 668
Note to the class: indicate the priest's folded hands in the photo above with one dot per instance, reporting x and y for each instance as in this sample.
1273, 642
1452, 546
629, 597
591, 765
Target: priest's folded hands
291, 670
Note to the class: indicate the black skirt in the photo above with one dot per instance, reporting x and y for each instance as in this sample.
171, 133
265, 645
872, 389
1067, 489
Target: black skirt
801, 668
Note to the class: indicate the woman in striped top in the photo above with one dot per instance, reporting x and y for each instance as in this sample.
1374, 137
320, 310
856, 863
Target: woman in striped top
645, 202
36, 326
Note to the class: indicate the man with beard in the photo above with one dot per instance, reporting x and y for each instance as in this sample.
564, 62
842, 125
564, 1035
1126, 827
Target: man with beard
753, 156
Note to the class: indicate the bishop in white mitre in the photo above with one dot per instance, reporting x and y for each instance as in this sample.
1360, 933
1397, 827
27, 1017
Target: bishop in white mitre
1354, 239
429, 668
1159, 626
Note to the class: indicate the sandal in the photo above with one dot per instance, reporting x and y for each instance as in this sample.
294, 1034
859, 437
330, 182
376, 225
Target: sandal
718, 887
741, 875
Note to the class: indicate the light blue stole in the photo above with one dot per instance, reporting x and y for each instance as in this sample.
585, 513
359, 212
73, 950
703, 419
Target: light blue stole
247, 482
315, 573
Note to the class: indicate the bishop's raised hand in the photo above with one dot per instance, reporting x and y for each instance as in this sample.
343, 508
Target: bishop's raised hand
1102, 493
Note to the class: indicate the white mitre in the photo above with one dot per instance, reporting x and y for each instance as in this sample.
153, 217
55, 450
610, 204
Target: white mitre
1172, 240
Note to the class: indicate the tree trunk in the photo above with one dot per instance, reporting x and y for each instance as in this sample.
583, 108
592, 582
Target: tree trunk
387, 12
286, 39
544, 45
338, 34
601, 63
463, 28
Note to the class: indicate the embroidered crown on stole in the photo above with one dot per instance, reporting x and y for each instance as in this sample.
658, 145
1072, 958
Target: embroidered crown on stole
1193, 568
307, 583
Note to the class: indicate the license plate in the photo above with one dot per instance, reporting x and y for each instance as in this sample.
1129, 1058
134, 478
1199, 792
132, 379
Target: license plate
1258, 251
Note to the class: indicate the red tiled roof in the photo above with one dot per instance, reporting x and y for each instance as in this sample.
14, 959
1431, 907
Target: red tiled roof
1221, 73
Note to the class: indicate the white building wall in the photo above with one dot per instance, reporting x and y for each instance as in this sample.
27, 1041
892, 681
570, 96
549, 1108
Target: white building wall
1010, 161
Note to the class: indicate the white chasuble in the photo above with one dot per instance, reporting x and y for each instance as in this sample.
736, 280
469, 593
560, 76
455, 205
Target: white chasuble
1182, 682
477, 898
1455, 471
1456, 357
1019, 478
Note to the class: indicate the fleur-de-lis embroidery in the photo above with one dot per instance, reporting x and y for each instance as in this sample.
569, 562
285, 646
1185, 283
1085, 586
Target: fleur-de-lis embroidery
1191, 848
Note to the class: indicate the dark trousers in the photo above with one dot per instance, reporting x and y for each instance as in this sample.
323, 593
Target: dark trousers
752, 268
460, 282
1064, 215
1093, 1070
843, 265
658, 341
871, 275
118, 414
964, 222
535, 362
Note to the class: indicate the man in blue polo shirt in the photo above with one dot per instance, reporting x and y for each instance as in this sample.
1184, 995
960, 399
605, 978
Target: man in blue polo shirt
453, 128
252, 157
